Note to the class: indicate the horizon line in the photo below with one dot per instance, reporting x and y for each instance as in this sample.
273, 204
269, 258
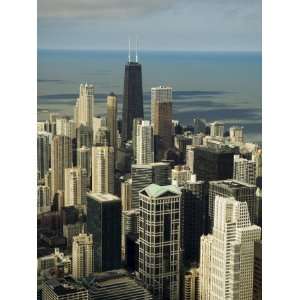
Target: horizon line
148, 50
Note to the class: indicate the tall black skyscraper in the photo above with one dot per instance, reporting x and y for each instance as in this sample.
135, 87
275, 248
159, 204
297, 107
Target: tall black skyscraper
194, 220
132, 97
213, 163
104, 223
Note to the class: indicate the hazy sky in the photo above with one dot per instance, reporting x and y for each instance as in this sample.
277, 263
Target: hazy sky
159, 24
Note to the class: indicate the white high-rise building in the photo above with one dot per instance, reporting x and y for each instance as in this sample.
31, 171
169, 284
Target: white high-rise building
217, 129
112, 114
82, 256
65, 126
126, 188
257, 157
232, 251
144, 143
244, 170
62, 126
180, 175
40, 127
103, 169
61, 158
84, 108
236, 134
75, 186
205, 266
159, 240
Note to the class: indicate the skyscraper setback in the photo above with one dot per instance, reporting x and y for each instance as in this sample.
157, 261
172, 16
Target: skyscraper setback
132, 97
232, 251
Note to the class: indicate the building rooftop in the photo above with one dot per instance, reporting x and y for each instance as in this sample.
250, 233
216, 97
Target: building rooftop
65, 286
155, 190
103, 197
112, 284
161, 87
234, 184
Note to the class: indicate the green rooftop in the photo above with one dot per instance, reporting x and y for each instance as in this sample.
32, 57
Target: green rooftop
155, 190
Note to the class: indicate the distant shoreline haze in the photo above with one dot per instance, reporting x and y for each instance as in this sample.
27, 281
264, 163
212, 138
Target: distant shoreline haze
222, 85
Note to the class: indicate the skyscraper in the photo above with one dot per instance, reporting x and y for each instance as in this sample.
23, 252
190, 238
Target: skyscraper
84, 135
82, 256
144, 143
144, 175
244, 170
236, 134
103, 169
161, 173
84, 108
211, 163
180, 175
98, 122
65, 126
217, 129
61, 158
136, 122
132, 97
129, 228
126, 187
43, 153
257, 276
141, 177
193, 219
191, 285
112, 113
104, 223
232, 251
75, 186
43, 199
161, 118
257, 157
102, 137
84, 161
242, 192
159, 240
205, 266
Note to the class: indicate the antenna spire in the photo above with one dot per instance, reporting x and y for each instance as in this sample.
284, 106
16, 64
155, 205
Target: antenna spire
129, 50
136, 51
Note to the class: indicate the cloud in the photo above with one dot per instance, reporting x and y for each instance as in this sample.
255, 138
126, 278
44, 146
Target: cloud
129, 8
188, 24
101, 8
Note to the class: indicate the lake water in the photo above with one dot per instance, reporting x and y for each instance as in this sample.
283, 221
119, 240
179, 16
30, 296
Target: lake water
214, 86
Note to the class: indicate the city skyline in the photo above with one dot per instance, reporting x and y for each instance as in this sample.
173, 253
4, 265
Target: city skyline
126, 189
